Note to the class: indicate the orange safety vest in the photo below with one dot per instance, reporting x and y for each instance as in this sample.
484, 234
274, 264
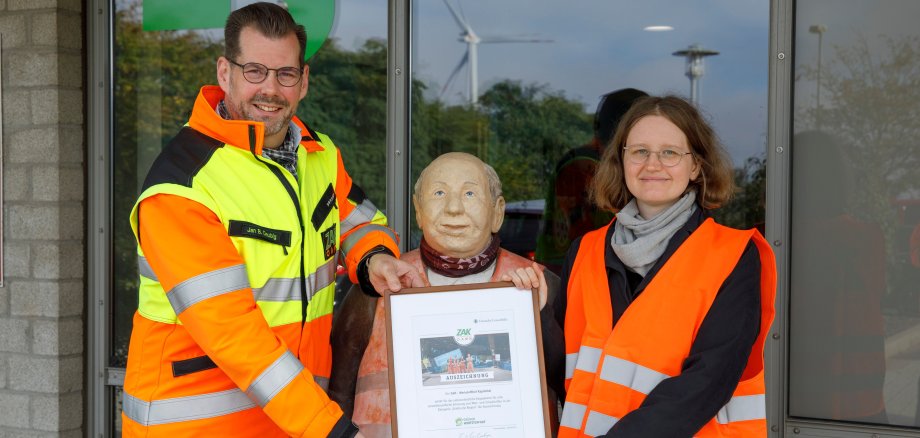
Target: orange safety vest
609, 372
237, 276
372, 393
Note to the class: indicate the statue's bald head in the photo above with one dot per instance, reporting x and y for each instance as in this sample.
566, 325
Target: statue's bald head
495, 184
458, 204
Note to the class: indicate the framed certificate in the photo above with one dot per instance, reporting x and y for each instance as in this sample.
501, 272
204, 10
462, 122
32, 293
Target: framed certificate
466, 361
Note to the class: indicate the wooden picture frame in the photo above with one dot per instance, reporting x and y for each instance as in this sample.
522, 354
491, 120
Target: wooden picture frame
466, 361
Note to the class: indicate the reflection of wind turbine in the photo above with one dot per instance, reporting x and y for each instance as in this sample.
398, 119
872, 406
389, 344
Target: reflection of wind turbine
468, 36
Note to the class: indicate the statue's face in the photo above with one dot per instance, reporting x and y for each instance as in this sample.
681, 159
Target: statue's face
454, 207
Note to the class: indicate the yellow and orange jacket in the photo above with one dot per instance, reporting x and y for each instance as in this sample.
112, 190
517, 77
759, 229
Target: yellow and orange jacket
609, 372
237, 262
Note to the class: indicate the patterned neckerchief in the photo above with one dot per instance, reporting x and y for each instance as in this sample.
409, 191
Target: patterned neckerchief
286, 154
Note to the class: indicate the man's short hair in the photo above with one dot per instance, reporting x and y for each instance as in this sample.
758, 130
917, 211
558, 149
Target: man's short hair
269, 19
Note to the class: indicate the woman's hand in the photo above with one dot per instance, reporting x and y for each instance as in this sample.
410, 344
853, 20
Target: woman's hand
529, 278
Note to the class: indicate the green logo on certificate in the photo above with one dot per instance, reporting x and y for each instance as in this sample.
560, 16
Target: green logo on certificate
464, 336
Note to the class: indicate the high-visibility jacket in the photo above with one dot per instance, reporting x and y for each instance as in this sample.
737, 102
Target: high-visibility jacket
372, 389
237, 262
609, 372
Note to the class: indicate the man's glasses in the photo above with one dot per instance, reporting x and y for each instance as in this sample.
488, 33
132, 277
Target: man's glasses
256, 73
667, 157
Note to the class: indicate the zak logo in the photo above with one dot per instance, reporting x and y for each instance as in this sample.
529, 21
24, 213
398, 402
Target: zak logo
329, 242
464, 336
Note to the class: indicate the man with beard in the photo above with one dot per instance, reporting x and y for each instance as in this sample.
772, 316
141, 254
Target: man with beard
240, 225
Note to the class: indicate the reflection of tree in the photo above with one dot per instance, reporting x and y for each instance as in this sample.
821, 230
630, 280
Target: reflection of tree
521, 130
871, 99
532, 126
746, 209
347, 101
156, 78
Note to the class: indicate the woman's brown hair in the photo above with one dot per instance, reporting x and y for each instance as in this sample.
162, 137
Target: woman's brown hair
715, 184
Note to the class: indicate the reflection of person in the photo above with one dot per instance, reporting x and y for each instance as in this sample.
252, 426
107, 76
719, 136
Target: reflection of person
665, 311
459, 208
569, 213
837, 284
239, 224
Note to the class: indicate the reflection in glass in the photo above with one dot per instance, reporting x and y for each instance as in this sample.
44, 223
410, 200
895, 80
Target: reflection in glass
156, 79
537, 100
838, 348
855, 291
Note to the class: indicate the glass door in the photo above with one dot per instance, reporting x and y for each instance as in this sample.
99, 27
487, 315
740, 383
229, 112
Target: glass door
854, 353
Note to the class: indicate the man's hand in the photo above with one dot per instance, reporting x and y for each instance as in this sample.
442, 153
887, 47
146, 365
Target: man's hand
387, 273
359, 435
529, 278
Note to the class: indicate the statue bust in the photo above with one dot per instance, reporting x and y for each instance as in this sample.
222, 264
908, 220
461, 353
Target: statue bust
459, 208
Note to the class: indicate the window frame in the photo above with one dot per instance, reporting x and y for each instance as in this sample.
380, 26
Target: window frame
102, 380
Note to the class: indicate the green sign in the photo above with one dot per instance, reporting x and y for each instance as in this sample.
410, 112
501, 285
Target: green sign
315, 15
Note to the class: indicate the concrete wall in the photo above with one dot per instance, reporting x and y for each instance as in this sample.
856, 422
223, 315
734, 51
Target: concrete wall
42, 303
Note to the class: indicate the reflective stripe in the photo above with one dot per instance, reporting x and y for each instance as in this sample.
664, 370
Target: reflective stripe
572, 414
359, 234
743, 408
570, 360
599, 424
144, 269
288, 289
189, 408
278, 290
588, 358
207, 285
275, 378
363, 212
631, 375
321, 278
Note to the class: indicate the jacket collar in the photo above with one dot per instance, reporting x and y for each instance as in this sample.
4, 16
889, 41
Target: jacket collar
244, 134
614, 263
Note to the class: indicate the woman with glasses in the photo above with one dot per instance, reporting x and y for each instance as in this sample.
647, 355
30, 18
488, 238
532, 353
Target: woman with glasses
666, 311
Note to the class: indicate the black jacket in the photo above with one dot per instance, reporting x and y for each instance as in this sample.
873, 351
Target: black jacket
681, 405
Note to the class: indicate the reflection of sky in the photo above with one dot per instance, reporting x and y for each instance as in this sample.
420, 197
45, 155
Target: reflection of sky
598, 46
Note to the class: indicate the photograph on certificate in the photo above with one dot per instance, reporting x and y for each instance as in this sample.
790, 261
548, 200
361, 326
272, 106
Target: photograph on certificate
486, 358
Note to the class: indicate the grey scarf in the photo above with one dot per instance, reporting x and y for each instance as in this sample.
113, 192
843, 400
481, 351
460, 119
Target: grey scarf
640, 242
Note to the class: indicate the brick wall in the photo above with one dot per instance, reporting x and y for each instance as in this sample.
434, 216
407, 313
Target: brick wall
42, 303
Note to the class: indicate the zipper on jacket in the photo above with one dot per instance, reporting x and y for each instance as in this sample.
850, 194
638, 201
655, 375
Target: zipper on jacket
303, 237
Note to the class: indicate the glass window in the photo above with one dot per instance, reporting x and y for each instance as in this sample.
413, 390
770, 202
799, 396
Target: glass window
855, 248
517, 84
156, 77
